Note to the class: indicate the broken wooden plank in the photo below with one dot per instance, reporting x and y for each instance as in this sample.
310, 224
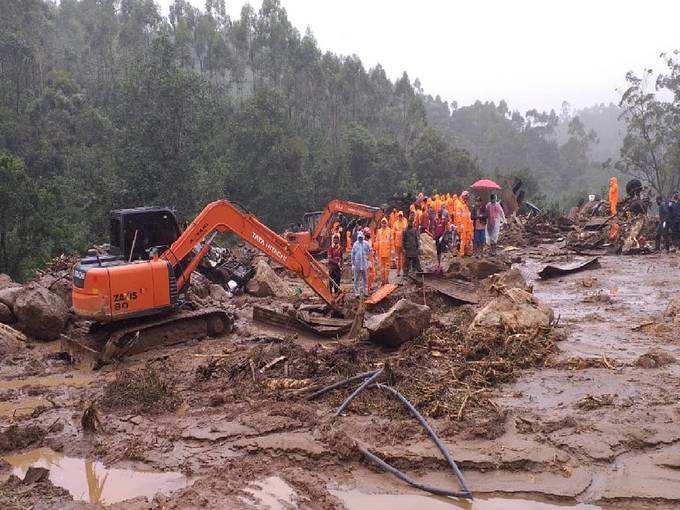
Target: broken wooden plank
459, 290
319, 325
553, 271
381, 293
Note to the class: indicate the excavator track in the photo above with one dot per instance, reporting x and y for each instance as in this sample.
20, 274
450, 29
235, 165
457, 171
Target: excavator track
108, 342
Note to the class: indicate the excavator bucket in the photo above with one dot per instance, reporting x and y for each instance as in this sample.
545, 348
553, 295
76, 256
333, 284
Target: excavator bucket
381, 294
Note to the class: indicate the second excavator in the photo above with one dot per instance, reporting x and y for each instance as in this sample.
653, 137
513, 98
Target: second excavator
135, 294
317, 236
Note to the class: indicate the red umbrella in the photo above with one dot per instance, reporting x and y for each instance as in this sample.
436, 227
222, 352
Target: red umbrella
485, 184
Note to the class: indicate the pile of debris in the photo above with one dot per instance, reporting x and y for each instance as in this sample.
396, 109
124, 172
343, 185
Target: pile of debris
630, 231
534, 229
444, 370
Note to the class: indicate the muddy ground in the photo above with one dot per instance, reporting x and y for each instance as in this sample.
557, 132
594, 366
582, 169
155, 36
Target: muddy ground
590, 425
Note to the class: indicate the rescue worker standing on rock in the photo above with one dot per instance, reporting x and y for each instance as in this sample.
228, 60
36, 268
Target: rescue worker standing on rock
613, 195
400, 225
335, 263
411, 244
384, 244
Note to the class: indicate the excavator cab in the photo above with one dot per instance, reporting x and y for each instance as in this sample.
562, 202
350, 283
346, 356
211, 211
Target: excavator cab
135, 232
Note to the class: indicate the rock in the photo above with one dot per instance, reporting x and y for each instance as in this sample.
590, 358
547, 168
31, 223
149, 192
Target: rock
6, 281
41, 313
8, 295
36, 474
200, 285
511, 279
11, 340
58, 283
483, 268
217, 293
655, 359
477, 269
404, 321
514, 309
6, 315
428, 251
267, 283
673, 309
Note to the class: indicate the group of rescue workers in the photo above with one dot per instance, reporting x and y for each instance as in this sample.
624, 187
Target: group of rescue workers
447, 218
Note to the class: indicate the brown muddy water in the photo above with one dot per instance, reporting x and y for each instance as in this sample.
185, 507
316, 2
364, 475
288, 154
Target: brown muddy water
91, 481
274, 493
354, 500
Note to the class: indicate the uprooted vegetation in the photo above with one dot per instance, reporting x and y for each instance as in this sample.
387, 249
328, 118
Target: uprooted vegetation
446, 372
147, 391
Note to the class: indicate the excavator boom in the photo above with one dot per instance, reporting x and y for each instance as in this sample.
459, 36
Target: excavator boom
223, 216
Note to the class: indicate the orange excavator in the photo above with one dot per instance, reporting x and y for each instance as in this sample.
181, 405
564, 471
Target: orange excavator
317, 235
135, 294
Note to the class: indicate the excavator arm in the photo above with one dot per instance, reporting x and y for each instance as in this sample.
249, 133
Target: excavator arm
223, 216
346, 207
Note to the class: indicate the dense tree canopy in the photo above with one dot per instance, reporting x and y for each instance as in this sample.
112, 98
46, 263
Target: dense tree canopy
107, 103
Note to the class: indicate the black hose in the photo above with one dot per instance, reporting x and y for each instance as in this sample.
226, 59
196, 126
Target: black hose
357, 377
410, 481
442, 448
356, 392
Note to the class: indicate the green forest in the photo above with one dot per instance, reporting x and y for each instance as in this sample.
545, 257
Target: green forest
107, 104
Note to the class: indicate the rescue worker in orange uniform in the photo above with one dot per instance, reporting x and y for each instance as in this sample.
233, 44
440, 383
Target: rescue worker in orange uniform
384, 245
466, 224
393, 217
348, 241
613, 194
370, 271
397, 235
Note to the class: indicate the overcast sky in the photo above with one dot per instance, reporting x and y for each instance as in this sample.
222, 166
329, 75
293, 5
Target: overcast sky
533, 53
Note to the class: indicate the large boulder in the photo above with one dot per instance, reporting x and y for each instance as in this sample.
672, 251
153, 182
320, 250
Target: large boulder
428, 251
515, 310
59, 283
267, 283
41, 313
6, 315
404, 321
8, 295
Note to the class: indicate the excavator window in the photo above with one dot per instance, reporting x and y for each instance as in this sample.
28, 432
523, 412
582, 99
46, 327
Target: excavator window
138, 230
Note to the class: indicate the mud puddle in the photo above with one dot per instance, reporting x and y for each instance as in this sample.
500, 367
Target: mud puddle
91, 481
273, 493
79, 378
355, 500
22, 407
